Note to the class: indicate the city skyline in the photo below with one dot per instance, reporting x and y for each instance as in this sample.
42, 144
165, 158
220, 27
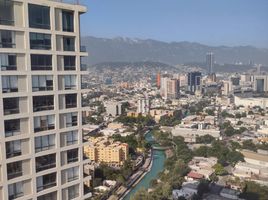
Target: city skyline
228, 23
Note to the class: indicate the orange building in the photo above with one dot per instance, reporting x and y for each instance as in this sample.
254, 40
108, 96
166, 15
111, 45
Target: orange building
158, 80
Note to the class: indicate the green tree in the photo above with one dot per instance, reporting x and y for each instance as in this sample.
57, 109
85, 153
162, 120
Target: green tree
248, 144
219, 170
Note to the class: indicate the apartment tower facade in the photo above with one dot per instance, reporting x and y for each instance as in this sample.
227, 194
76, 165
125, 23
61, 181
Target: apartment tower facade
41, 143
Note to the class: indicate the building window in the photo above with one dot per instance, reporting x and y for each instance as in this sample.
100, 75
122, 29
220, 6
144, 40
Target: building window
39, 16
68, 44
67, 21
14, 170
73, 192
69, 63
44, 143
13, 148
41, 62
46, 181
72, 174
44, 123
70, 82
8, 62
11, 106
70, 100
43, 103
7, 39
9, 84
40, 41
6, 13
15, 190
42, 83
45, 162
71, 119
12, 127
72, 156
71, 138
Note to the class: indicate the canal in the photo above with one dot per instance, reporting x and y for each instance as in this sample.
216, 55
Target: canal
159, 158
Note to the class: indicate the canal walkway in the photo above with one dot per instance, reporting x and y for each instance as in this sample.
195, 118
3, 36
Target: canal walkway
157, 165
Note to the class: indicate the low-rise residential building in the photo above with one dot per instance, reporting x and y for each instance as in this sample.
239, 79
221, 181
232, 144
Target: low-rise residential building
105, 150
201, 167
190, 134
254, 168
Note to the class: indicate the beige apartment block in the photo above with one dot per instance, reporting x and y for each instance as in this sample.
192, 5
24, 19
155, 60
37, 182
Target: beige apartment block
41, 141
104, 150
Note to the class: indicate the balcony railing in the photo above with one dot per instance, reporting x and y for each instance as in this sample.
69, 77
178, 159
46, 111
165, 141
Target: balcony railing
71, 105
9, 90
8, 68
10, 133
8, 22
83, 48
7, 45
68, 48
41, 67
47, 88
44, 128
42, 167
71, 160
39, 25
71, 124
15, 196
11, 111
44, 148
14, 175
70, 87
43, 108
40, 46
13, 154
69, 68
46, 186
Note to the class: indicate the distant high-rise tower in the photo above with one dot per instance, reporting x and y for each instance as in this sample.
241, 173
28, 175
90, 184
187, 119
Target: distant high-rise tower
194, 81
158, 80
210, 62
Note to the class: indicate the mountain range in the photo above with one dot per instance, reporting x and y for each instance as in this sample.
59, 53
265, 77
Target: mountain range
121, 49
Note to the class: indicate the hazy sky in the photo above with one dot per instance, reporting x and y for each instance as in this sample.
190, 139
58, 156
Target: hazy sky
212, 22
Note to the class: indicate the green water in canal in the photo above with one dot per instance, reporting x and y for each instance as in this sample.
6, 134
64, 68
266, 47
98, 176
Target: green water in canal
159, 158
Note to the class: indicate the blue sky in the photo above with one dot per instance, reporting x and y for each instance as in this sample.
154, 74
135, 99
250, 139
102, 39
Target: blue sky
212, 22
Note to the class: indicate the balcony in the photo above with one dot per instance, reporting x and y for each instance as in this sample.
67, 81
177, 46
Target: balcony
41, 67
11, 106
7, 13
45, 162
12, 127
7, 22
14, 170
13, 149
72, 156
47, 181
44, 128
43, 103
8, 67
70, 101
7, 45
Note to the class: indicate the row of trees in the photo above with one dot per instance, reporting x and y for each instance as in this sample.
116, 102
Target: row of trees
220, 150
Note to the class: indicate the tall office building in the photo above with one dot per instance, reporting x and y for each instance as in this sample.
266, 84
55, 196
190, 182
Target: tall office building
194, 81
41, 145
210, 62
260, 83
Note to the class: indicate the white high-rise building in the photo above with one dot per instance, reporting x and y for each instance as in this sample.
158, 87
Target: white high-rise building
41, 140
143, 106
